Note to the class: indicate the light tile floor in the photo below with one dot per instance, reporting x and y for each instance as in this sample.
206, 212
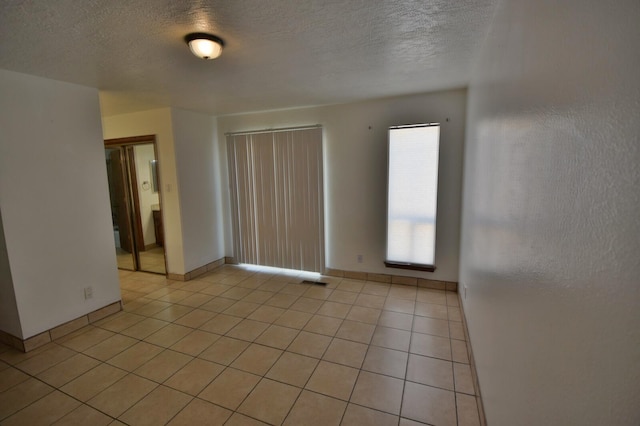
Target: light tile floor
246, 347
151, 260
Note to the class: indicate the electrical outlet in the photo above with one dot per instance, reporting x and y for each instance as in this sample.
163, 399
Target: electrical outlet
88, 293
360, 258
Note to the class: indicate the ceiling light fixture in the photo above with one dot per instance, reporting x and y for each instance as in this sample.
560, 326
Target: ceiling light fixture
203, 45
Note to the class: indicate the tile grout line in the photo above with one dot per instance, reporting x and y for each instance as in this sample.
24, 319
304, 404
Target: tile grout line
406, 372
54, 390
268, 324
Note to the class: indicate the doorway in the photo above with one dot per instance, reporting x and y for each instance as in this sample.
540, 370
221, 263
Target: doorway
136, 208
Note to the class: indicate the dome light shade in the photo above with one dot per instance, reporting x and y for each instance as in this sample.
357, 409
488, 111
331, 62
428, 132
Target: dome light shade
205, 46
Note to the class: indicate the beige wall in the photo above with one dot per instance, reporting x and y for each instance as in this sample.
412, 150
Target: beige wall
551, 230
198, 168
188, 161
157, 122
55, 202
355, 163
9, 317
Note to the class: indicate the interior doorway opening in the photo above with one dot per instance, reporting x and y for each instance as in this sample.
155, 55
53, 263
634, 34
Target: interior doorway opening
136, 206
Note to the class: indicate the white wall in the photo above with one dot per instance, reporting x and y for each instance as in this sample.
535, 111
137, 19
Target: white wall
54, 199
157, 122
147, 198
551, 229
355, 137
198, 166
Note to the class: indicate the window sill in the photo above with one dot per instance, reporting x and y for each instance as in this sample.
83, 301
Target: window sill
412, 266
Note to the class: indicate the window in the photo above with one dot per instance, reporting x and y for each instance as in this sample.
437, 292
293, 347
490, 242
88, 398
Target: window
412, 196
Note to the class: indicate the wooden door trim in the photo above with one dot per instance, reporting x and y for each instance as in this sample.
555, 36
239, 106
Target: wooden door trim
131, 140
135, 195
121, 194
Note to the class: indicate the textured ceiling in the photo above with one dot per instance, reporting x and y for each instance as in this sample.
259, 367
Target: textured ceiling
278, 54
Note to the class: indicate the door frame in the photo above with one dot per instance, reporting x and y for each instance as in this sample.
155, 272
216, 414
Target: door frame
134, 214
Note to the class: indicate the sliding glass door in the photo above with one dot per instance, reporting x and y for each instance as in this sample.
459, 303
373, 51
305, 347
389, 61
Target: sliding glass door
277, 198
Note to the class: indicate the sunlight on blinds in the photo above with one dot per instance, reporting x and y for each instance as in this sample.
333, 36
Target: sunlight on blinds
276, 182
412, 193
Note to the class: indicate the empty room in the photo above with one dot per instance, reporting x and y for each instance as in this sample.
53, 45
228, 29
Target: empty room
320, 212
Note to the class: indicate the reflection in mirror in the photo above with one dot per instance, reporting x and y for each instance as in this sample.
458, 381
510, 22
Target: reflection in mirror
118, 196
153, 164
152, 256
135, 205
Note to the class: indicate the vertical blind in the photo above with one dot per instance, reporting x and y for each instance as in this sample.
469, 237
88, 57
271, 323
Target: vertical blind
411, 197
277, 198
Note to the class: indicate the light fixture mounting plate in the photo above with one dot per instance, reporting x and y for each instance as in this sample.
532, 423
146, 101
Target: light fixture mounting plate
203, 36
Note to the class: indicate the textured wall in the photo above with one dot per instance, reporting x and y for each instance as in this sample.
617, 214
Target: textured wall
551, 229
9, 318
198, 168
157, 122
355, 174
55, 200
143, 155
